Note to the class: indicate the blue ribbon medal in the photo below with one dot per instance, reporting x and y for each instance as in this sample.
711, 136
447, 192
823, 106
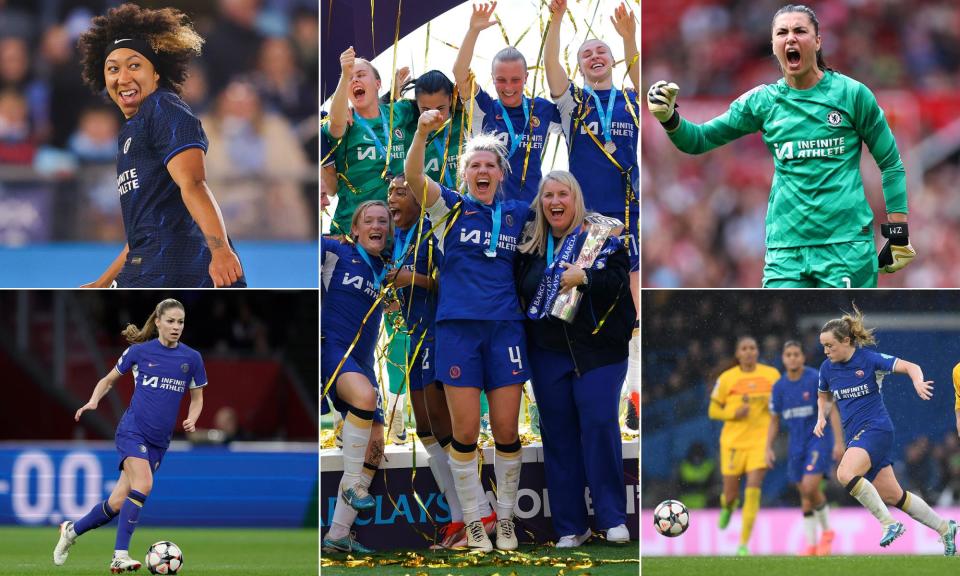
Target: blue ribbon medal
605, 119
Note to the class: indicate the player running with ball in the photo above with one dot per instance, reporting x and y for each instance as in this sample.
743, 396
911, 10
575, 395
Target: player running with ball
814, 120
163, 370
852, 375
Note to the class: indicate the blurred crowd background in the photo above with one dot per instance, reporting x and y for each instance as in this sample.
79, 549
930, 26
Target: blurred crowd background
688, 339
254, 88
703, 216
259, 349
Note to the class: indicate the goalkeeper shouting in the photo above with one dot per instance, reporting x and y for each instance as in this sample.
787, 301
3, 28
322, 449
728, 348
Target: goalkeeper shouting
819, 225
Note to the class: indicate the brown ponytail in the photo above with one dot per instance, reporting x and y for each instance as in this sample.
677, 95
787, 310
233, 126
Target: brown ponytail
136, 335
850, 325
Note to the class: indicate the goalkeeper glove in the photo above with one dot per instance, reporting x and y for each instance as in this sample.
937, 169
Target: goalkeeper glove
897, 251
662, 102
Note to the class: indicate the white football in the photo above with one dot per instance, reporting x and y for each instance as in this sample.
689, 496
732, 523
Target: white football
164, 558
671, 518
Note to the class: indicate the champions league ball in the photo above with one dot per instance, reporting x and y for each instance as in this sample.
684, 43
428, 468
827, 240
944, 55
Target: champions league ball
164, 558
671, 518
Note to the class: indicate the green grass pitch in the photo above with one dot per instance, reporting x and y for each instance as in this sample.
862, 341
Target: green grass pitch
594, 559
206, 551
795, 566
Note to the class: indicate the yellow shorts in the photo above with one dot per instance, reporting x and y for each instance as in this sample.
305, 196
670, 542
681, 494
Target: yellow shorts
737, 461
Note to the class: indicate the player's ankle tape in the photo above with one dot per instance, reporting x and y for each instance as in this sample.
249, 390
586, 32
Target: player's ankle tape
443, 442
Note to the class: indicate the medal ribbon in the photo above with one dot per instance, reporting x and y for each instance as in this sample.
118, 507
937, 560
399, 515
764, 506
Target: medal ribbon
514, 137
400, 250
363, 125
605, 119
491, 249
377, 278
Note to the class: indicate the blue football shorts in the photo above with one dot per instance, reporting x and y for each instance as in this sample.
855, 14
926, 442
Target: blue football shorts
485, 354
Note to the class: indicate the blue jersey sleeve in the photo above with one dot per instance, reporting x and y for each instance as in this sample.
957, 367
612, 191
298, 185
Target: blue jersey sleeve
174, 128
822, 385
883, 362
776, 402
128, 359
199, 379
485, 102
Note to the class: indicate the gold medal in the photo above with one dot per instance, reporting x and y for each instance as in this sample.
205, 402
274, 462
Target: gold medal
610, 147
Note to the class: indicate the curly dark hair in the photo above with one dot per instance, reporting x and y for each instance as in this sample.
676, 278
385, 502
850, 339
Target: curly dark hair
168, 31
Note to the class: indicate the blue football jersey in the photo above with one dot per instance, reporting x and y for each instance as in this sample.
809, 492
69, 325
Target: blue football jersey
418, 306
350, 292
856, 385
161, 376
795, 402
604, 188
474, 286
488, 117
167, 248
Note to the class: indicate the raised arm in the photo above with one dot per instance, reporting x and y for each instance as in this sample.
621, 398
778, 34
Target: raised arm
626, 26
193, 413
99, 391
557, 78
188, 171
480, 20
413, 167
107, 278
339, 105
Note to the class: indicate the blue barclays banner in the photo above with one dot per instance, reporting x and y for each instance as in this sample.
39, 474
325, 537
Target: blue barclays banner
199, 486
399, 521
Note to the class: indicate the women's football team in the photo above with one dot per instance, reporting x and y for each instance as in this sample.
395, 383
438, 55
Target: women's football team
453, 225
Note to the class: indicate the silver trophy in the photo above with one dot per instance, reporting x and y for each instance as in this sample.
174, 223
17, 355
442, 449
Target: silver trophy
598, 228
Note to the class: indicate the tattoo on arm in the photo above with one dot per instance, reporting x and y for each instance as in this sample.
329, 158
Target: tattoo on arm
214, 242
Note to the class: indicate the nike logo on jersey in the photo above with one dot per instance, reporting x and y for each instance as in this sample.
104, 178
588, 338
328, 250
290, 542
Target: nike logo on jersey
119, 40
470, 212
151, 364
517, 372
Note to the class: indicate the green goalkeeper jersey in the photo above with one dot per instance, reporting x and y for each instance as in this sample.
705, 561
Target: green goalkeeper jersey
815, 136
360, 158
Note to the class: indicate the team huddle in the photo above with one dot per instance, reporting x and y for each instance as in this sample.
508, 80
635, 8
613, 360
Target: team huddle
752, 399
445, 217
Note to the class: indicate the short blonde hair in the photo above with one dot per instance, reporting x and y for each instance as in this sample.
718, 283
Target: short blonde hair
484, 142
537, 241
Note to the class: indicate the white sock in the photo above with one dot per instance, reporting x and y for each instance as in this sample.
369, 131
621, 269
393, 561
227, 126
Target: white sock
810, 529
822, 515
440, 466
345, 514
466, 480
506, 466
121, 554
867, 495
356, 436
485, 509
924, 514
